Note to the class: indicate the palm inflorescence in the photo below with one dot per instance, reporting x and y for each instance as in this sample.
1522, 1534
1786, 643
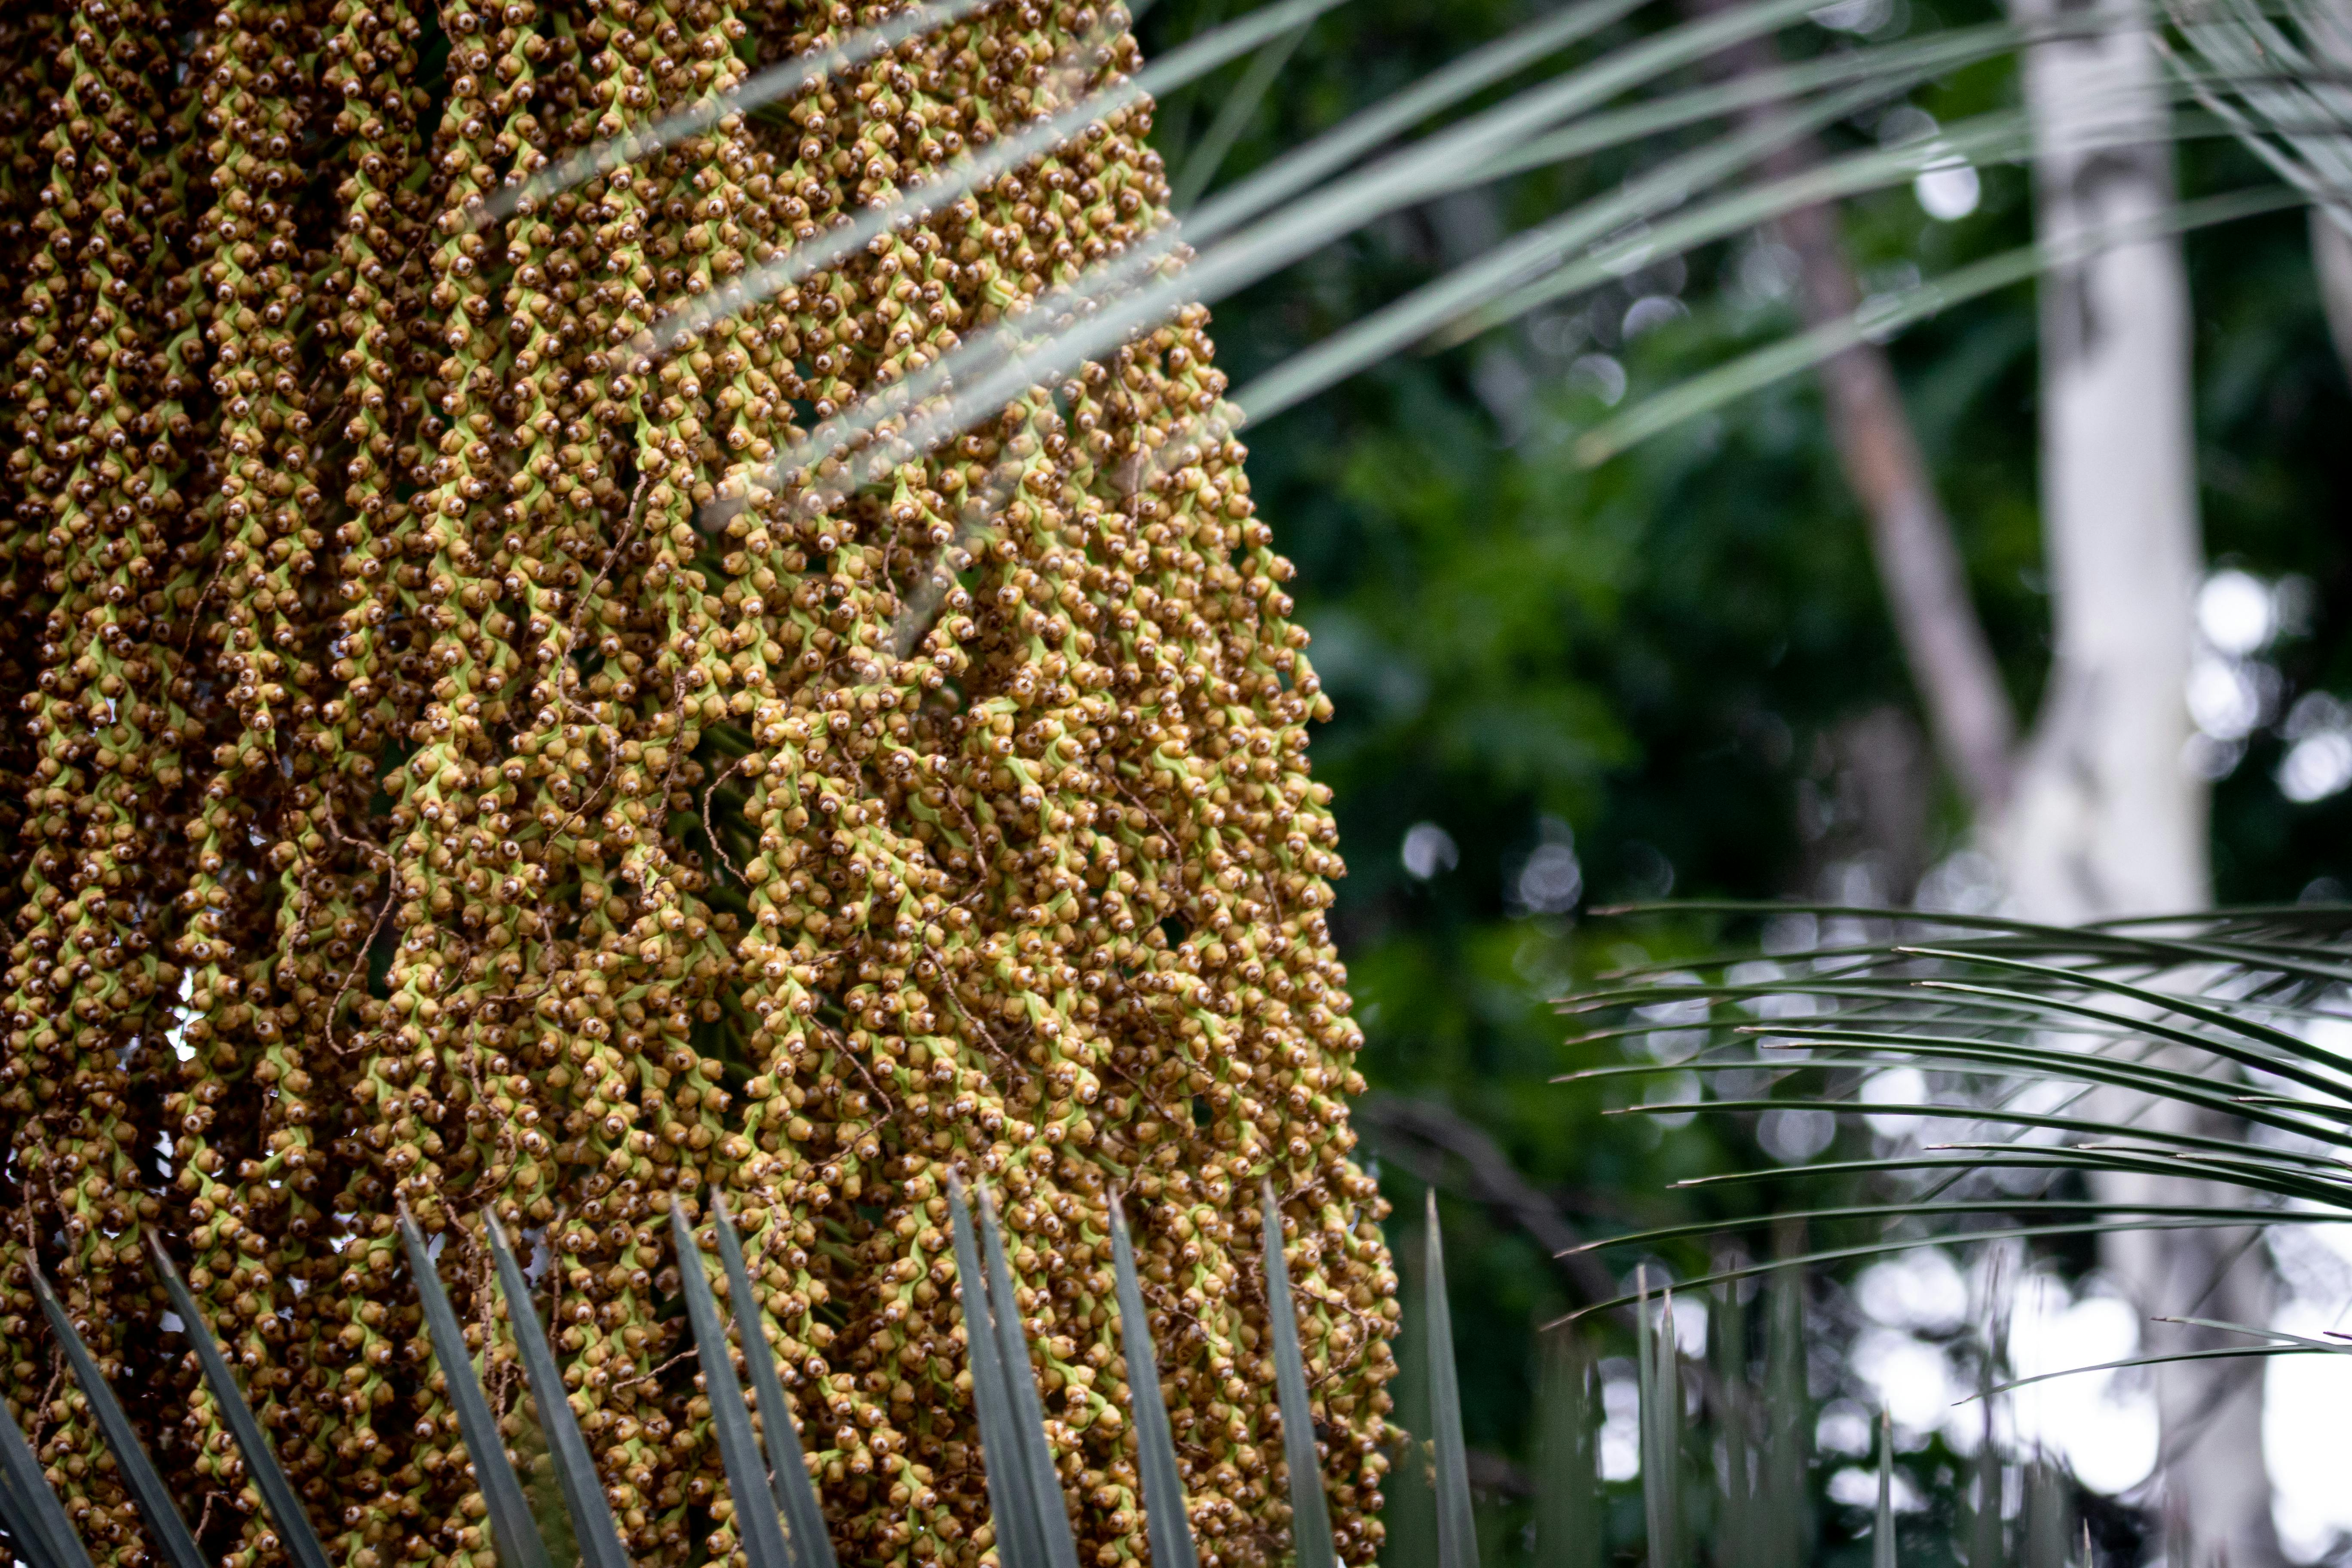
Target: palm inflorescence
461, 768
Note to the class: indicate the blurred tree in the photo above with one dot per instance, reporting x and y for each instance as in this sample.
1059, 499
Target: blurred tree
2103, 818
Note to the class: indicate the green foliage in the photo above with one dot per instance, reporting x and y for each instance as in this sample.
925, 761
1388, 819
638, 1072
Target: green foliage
148, 1488
758, 1527
1655, 662
1024, 1493
35, 1519
300, 1541
1457, 1536
511, 1526
1570, 1522
1661, 1430
1310, 1519
811, 1545
1170, 1531
1028, 1517
1722, 1482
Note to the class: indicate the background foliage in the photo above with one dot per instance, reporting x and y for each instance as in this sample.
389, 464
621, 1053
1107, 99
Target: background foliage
1677, 669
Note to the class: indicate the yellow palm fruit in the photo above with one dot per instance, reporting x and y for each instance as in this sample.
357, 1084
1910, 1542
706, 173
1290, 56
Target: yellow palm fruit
450, 776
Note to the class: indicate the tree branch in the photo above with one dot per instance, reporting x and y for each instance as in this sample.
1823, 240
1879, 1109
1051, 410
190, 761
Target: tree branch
1919, 565
1493, 1181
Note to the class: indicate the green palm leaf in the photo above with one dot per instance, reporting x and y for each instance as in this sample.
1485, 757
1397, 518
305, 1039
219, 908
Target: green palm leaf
811, 1544
575, 1465
1570, 1522
148, 1488
1005, 361
1457, 1533
2211, 1015
1310, 1516
1052, 1514
999, 158
1878, 320
1787, 1424
294, 1533
780, 81
37, 1524
1008, 1495
758, 1525
517, 1537
1659, 1362
1169, 1527
1882, 1534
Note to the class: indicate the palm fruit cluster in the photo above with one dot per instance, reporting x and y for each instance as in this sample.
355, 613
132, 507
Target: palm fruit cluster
451, 769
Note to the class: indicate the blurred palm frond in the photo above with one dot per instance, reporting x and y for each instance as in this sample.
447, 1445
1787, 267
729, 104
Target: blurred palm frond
2206, 1046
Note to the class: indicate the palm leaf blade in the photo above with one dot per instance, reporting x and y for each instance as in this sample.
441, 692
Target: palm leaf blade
1170, 1529
758, 1524
36, 1519
1882, 1534
511, 1526
1457, 1533
294, 1528
1661, 1433
1052, 1516
1569, 1520
148, 1488
811, 1544
575, 1465
1019, 1543
1310, 1516
1880, 319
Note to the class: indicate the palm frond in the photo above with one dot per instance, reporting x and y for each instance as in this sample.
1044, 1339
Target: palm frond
1994, 137
1011, 1498
2048, 1519
970, 172
294, 1528
2276, 74
1700, 1230
779, 80
759, 1527
511, 1526
1202, 162
575, 1466
1882, 1535
1534, 267
1304, 166
149, 1491
811, 1544
1984, 1510
1658, 1361
1117, 298
2219, 1018
1166, 1523
1053, 1517
1311, 1515
1880, 319
36, 1522
1570, 1522
1457, 1533
1532, 270
1886, 1244
1031, 1520
1787, 1426
1738, 1525
1896, 66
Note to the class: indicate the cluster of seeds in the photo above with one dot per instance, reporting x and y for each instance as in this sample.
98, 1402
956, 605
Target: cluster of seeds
447, 775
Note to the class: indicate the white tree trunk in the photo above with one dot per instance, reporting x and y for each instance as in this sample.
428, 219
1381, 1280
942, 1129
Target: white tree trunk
2105, 818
